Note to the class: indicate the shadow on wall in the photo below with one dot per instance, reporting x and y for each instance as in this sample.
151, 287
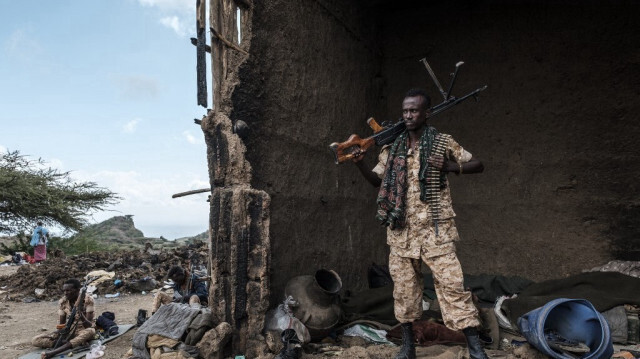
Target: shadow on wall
625, 234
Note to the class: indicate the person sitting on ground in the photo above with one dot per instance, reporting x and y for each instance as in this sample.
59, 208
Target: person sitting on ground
82, 330
187, 288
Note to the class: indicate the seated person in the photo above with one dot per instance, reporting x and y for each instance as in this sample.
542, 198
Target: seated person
82, 330
187, 288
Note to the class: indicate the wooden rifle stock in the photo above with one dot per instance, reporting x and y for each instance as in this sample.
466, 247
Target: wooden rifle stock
355, 145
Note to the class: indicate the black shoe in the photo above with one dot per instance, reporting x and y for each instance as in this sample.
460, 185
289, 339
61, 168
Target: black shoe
408, 349
476, 351
142, 317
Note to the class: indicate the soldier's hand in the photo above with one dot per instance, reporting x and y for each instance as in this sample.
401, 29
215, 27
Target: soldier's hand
438, 162
358, 155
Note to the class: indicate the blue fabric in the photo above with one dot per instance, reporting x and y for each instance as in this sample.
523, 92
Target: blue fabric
572, 319
37, 232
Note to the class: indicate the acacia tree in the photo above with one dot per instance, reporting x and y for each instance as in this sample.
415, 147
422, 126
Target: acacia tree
31, 192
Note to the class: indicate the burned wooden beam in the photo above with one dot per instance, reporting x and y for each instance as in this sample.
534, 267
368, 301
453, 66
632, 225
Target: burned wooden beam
201, 58
195, 191
194, 41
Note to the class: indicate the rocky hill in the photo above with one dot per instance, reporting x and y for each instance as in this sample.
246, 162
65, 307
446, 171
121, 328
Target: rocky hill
114, 233
121, 232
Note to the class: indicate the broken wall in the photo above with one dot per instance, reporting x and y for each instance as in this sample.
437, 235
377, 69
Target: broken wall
312, 78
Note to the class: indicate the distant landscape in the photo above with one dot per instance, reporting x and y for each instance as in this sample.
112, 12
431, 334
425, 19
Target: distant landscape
116, 233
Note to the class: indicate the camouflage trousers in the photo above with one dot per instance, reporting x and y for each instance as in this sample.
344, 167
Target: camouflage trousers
79, 338
458, 310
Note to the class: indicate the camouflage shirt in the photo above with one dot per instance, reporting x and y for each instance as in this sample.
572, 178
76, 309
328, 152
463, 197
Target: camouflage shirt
65, 308
419, 233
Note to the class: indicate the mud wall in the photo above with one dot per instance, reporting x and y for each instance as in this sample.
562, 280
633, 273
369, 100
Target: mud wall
312, 78
556, 128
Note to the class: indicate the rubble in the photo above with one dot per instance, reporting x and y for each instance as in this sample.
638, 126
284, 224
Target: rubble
131, 267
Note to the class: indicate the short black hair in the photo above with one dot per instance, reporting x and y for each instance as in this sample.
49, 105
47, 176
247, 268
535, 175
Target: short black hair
76, 283
414, 92
175, 270
39, 223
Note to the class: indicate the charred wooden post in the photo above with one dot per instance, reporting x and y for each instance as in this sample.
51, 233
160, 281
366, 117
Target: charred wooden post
239, 215
239, 240
201, 63
240, 255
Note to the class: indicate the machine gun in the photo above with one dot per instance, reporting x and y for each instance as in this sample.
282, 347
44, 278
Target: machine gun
355, 145
69, 328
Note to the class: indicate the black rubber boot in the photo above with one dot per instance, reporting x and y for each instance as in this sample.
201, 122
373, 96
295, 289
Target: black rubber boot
408, 349
476, 351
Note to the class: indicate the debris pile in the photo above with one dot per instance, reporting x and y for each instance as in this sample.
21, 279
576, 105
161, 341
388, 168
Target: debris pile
130, 268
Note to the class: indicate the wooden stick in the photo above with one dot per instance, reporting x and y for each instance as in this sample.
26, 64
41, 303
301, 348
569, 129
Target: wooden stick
227, 42
195, 191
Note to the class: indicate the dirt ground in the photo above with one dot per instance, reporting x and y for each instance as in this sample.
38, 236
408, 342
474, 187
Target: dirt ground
19, 322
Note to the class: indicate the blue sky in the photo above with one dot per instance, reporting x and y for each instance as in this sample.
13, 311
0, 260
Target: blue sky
106, 89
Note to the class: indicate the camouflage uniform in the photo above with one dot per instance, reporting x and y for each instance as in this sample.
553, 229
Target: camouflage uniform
418, 242
81, 335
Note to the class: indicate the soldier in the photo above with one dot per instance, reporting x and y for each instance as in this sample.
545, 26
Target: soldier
420, 223
187, 288
82, 328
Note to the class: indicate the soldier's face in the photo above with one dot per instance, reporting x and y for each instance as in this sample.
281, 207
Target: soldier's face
70, 292
414, 112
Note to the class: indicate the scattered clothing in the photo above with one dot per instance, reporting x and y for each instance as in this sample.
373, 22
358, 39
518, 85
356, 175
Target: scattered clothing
604, 290
170, 321
487, 287
374, 304
377, 336
106, 321
630, 268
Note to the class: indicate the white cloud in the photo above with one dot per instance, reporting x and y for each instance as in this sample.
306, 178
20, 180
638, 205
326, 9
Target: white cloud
3, 149
177, 25
178, 15
191, 138
23, 45
131, 126
183, 6
137, 87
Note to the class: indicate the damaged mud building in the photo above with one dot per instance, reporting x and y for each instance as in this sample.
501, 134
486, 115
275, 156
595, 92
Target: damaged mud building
556, 130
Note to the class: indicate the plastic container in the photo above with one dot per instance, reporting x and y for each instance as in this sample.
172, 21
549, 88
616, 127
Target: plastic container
97, 351
573, 319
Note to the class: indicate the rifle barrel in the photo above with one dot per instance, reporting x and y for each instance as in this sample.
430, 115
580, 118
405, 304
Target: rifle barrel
454, 101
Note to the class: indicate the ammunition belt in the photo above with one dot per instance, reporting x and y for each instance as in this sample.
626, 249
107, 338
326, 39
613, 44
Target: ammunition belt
433, 179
